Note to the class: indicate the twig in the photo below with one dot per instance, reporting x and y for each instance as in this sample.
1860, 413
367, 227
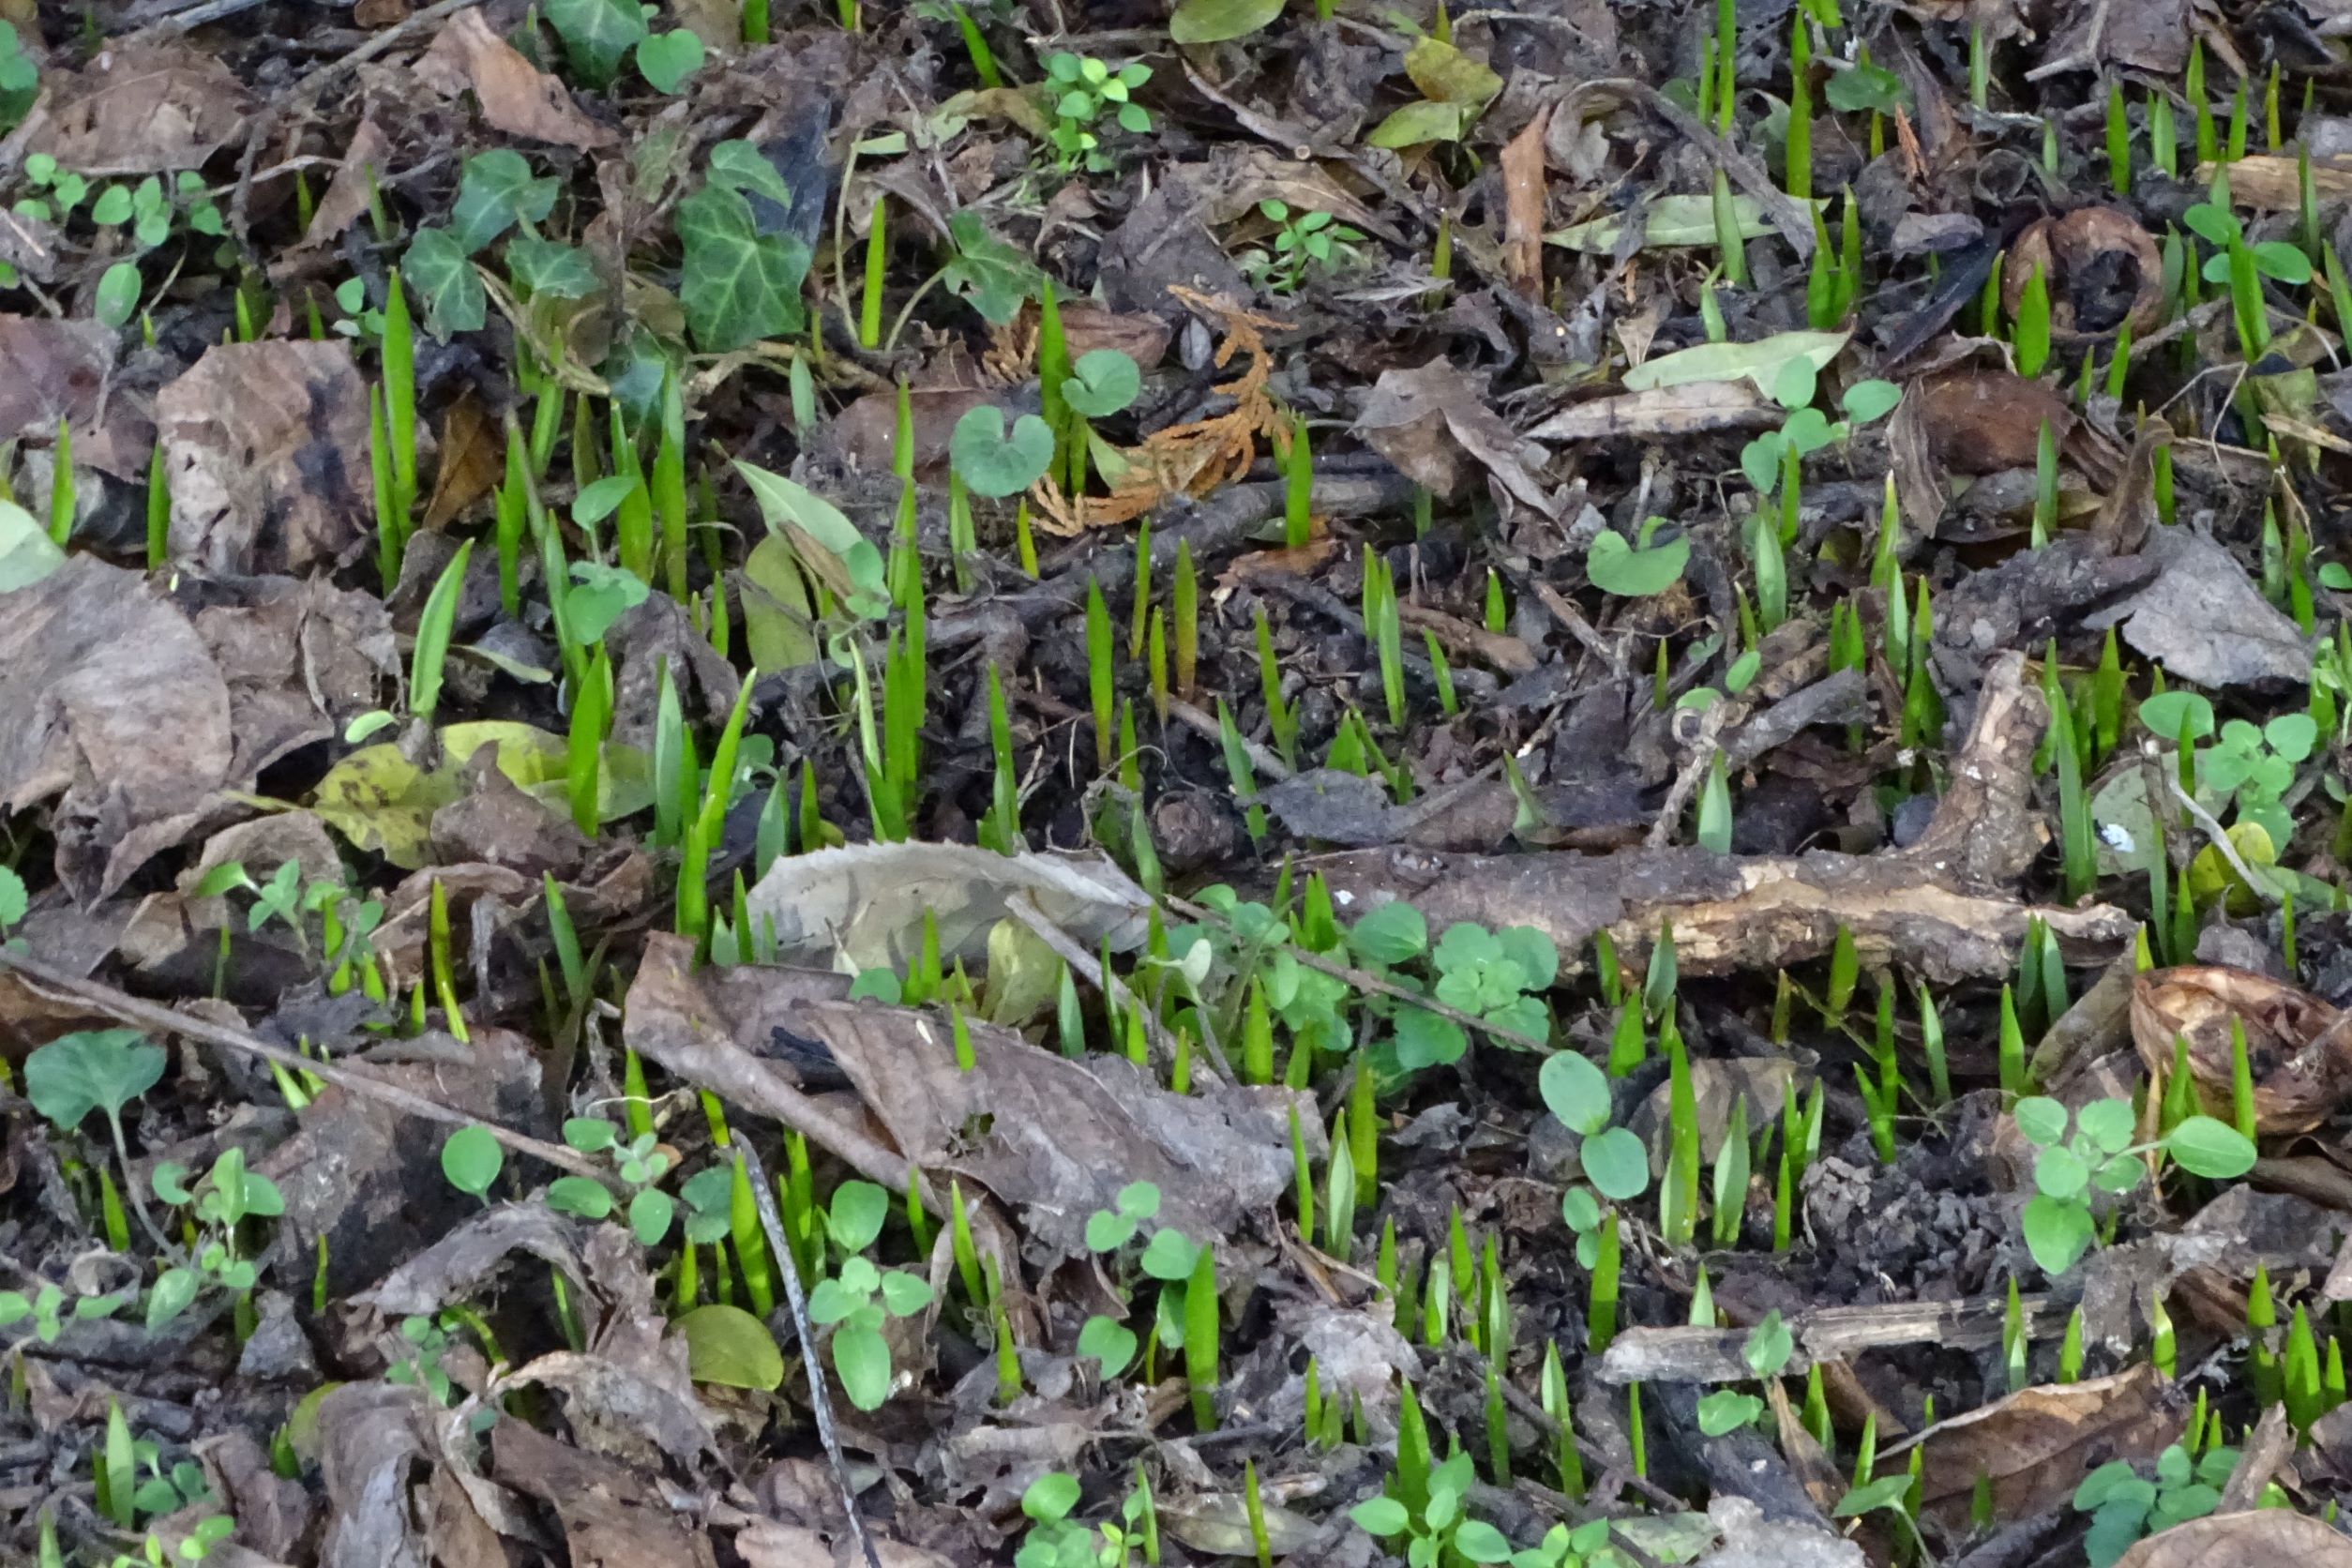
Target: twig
1686, 782
2260, 886
819, 1399
129, 1009
1202, 724
1365, 982
1114, 989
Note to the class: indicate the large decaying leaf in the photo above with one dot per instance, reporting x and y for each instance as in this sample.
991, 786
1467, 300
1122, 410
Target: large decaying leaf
266, 447
864, 905
2035, 1446
114, 704
737, 284
139, 109
728, 1346
2204, 619
1062, 1138
27, 554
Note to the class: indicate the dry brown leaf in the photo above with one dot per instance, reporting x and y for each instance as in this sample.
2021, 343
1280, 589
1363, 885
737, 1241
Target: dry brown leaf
2294, 1041
1063, 1136
50, 371
1434, 424
516, 96
266, 448
347, 194
142, 109
2264, 1538
472, 461
2035, 1446
118, 708
1523, 206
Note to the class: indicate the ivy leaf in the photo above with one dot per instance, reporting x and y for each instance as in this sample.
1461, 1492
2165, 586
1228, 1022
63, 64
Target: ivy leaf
737, 285
1861, 86
740, 165
496, 191
597, 34
993, 277
445, 279
993, 464
546, 267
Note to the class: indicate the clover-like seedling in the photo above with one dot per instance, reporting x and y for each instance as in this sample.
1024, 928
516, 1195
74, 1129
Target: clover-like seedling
1498, 975
2125, 1506
1109, 1229
857, 1302
15, 903
2101, 1157
1102, 383
996, 464
1614, 1159
639, 1163
1807, 430
1440, 1532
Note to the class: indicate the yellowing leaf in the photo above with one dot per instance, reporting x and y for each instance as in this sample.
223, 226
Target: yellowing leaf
1216, 20
728, 1346
1668, 221
1445, 74
1417, 123
779, 623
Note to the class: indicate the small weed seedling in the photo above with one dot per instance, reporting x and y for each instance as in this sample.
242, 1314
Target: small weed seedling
638, 1163
860, 1296
228, 1195
1615, 1161
1767, 1351
1299, 237
1077, 90
2101, 1158
1438, 1530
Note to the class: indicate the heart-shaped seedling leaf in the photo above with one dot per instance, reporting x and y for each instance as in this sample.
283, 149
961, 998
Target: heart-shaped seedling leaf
1103, 382
665, 59
1617, 567
993, 463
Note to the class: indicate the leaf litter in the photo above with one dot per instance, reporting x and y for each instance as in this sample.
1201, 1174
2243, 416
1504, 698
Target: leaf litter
1004, 782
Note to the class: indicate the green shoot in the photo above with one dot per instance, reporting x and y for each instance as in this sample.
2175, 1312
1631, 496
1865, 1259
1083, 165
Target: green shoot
1101, 691
869, 312
1187, 607
399, 396
159, 509
1298, 488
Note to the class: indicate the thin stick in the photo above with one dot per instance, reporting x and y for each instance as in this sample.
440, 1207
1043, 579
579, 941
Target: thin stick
129, 1009
819, 1400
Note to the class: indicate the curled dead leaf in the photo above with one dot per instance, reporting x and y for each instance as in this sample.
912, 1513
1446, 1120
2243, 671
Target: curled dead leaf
2258, 1539
2101, 267
516, 96
2294, 1041
1986, 421
2035, 1446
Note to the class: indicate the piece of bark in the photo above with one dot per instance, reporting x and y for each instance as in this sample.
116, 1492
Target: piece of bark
1700, 1355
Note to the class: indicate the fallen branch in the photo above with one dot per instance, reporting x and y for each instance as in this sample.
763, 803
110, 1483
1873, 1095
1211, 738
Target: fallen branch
126, 1008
